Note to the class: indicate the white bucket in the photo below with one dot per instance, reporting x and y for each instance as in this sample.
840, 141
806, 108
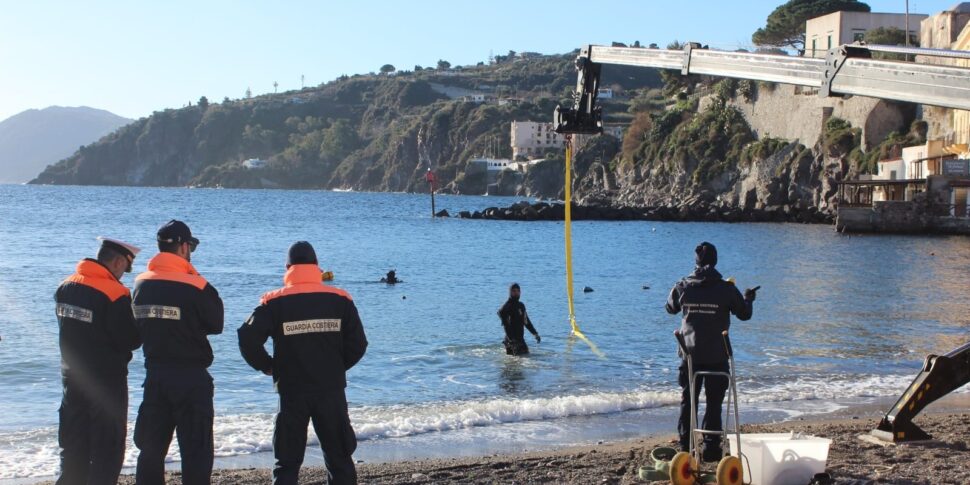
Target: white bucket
781, 458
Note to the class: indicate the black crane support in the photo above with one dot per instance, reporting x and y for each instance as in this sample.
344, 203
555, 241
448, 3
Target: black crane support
941, 375
847, 70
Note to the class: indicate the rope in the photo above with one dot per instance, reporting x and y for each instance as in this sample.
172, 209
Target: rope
569, 252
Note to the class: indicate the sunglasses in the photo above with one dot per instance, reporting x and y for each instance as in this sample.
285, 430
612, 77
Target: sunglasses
192, 246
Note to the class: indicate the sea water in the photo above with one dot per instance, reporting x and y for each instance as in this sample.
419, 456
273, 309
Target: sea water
839, 319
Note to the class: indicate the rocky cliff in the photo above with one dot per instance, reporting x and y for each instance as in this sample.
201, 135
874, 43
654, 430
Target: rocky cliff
366, 132
702, 160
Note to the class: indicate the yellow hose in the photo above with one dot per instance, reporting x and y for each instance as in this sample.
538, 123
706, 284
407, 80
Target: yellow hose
569, 254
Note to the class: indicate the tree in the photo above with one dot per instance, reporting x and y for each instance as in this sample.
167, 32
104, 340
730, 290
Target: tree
275, 85
418, 68
249, 93
339, 140
889, 36
785, 26
204, 103
443, 65
387, 69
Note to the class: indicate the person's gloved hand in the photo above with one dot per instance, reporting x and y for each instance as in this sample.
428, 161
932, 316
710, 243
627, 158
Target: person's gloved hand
538, 339
751, 293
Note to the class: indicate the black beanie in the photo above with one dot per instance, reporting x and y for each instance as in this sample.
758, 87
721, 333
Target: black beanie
514, 286
705, 254
301, 252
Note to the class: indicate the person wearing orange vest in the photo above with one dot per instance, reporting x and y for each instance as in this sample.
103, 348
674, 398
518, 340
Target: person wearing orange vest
176, 310
97, 336
317, 336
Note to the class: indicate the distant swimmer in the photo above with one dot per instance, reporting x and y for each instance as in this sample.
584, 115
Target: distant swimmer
707, 302
97, 336
515, 320
317, 337
391, 278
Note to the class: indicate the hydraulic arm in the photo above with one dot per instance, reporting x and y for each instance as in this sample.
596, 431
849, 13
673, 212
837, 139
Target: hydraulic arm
941, 375
847, 70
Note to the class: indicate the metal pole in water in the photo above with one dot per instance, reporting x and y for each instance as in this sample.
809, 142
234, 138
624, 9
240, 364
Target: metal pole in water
431, 179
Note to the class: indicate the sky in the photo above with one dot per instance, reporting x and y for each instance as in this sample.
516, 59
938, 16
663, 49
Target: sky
134, 57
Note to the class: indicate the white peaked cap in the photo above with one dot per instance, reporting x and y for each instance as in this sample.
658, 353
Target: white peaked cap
134, 250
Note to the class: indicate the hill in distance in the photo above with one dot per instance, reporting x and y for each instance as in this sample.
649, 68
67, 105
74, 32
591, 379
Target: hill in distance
33, 139
374, 132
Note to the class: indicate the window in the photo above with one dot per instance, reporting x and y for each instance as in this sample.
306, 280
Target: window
830, 42
814, 47
892, 175
858, 35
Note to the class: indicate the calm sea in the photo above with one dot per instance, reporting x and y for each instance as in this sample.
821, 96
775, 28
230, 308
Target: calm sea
839, 319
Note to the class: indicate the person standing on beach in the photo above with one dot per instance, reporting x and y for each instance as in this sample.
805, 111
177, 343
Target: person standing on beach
515, 320
97, 336
317, 337
176, 310
707, 302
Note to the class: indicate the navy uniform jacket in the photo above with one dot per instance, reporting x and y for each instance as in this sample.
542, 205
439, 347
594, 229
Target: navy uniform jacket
707, 301
176, 310
316, 331
97, 330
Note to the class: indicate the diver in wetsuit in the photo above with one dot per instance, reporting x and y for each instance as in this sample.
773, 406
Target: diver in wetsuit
515, 320
391, 278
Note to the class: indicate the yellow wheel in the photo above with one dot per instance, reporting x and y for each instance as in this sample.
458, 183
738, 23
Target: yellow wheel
683, 468
729, 471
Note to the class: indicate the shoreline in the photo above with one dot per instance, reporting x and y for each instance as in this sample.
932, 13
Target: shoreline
851, 461
545, 211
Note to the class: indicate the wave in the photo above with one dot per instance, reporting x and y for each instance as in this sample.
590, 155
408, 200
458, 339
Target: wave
33, 453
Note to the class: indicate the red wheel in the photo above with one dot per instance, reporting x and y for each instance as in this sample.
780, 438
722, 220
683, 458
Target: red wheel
729, 471
683, 469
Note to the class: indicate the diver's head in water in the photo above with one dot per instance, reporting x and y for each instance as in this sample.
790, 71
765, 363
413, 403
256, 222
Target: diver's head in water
515, 292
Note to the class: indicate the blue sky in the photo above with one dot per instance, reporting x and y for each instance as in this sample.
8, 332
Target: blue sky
134, 57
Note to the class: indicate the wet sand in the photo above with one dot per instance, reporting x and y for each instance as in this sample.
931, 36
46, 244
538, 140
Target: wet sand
945, 460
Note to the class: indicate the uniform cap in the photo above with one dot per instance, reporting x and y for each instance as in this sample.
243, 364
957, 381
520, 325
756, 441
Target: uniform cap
120, 246
175, 231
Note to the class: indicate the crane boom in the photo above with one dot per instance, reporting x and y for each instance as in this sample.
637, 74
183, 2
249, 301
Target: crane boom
846, 70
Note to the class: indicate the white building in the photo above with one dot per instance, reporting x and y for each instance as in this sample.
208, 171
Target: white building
478, 98
837, 28
254, 163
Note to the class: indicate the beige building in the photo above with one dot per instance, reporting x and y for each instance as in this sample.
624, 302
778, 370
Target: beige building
921, 161
837, 28
943, 29
533, 138
947, 30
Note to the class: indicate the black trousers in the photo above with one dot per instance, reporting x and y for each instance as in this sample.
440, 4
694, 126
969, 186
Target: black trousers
715, 387
328, 411
177, 401
93, 424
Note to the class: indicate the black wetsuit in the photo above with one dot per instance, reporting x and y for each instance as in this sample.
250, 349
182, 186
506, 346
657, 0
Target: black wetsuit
515, 320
